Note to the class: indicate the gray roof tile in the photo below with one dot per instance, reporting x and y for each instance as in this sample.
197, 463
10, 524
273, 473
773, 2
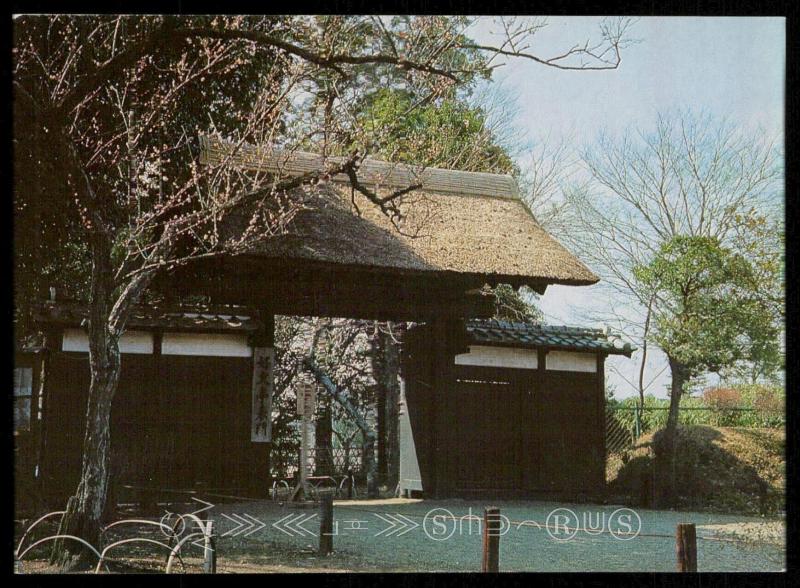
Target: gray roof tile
557, 337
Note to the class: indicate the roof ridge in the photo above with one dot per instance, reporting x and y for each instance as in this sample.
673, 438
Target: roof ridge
543, 326
494, 331
372, 170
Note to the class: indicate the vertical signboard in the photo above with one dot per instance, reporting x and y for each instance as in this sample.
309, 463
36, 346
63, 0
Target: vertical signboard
306, 398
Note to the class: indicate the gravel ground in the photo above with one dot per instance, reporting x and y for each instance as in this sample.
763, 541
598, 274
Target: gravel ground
403, 535
367, 538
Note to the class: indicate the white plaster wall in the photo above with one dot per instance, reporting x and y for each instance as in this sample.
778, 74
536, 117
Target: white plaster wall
571, 361
130, 342
499, 357
214, 344
410, 477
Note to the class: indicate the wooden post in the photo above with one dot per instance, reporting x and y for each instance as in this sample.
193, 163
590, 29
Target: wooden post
326, 523
304, 439
306, 400
491, 539
210, 550
445, 344
600, 476
686, 547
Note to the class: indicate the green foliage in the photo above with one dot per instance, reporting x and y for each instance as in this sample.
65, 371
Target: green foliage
763, 397
446, 133
511, 306
710, 313
761, 239
763, 407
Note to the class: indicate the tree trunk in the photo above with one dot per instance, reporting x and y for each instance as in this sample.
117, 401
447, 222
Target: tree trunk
668, 460
380, 412
370, 466
640, 410
323, 437
84, 513
85, 510
680, 375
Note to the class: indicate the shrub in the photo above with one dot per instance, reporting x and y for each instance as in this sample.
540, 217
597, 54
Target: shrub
722, 398
731, 470
769, 400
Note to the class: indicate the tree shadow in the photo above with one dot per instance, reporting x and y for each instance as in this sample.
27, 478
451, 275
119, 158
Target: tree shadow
708, 476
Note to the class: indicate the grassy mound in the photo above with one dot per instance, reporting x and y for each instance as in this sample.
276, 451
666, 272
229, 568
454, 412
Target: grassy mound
724, 469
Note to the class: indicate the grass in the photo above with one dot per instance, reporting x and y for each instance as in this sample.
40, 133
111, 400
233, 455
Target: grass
720, 469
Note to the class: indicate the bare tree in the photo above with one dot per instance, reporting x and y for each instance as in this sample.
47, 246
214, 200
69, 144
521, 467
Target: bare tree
121, 100
544, 179
692, 175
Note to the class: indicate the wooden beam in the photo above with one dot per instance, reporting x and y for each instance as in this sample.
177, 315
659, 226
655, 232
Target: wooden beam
447, 337
601, 415
432, 484
376, 172
322, 290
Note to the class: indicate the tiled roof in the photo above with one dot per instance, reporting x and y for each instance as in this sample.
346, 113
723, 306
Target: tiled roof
184, 318
237, 318
494, 332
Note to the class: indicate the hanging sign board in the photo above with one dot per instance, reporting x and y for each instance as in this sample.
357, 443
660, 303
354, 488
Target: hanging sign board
262, 388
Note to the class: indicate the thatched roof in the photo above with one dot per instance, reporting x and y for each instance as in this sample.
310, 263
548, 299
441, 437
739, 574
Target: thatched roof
459, 222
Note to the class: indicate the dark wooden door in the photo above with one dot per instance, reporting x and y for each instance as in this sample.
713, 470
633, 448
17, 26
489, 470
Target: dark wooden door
565, 427
183, 421
485, 435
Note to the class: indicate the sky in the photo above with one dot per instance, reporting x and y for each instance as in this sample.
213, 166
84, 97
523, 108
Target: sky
730, 67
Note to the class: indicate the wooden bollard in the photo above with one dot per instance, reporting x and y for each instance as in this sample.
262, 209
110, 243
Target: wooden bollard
686, 547
491, 539
210, 550
326, 523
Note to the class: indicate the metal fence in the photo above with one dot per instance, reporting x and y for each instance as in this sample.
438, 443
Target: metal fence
337, 462
625, 424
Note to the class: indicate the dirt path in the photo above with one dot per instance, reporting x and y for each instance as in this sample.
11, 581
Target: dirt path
404, 535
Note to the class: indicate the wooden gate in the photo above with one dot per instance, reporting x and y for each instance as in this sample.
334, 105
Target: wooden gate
489, 410
523, 432
178, 422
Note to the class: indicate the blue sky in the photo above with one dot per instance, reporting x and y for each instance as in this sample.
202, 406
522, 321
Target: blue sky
730, 67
